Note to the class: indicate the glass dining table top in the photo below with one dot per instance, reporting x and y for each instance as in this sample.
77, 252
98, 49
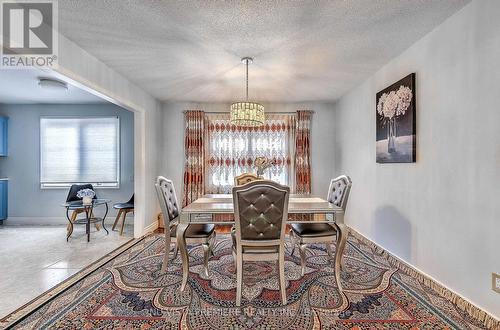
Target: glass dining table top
79, 204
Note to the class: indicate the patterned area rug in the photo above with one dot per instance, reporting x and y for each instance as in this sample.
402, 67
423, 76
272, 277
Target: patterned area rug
130, 292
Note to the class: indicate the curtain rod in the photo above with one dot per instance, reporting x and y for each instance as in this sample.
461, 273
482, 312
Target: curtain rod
224, 112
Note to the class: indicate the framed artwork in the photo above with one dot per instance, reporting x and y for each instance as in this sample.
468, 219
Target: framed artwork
396, 124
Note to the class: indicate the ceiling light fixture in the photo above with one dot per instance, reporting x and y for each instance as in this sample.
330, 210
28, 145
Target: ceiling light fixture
52, 84
249, 114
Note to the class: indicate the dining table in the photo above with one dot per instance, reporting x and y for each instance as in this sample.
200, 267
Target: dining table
312, 208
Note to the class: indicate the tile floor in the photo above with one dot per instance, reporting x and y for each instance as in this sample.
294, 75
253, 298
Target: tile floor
33, 259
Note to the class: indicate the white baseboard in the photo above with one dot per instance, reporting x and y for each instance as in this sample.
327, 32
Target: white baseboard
35, 221
149, 229
473, 310
47, 221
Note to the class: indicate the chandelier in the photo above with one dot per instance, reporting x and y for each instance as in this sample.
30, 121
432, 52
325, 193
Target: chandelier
249, 114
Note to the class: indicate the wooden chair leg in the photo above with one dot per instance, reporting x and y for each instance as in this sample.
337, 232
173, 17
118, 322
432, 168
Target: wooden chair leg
281, 275
212, 244
293, 240
239, 278
235, 261
167, 251
123, 222
302, 250
72, 219
176, 251
206, 255
329, 250
117, 218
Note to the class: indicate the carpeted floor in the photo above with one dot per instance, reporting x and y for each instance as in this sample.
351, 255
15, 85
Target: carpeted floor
130, 292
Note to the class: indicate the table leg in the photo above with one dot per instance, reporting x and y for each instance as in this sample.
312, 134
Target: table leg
92, 216
70, 226
181, 244
87, 215
342, 233
104, 217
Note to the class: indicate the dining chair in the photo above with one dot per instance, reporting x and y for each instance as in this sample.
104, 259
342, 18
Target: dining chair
72, 197
307, 233
123, 209
245, 178
203, 234
260, 212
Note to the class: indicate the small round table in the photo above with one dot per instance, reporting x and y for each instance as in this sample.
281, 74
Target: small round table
88, 209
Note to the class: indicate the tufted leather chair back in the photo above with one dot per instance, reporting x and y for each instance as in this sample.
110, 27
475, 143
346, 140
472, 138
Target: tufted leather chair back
261, 210
168, 199
245, 178
338, 192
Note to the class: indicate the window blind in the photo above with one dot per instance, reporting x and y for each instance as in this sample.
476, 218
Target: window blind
79, 150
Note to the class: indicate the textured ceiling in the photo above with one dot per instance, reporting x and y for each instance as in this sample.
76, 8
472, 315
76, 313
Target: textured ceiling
21, 86
303, 50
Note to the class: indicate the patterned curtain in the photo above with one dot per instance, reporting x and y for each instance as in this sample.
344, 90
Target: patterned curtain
303, 152
194, 183
231, 150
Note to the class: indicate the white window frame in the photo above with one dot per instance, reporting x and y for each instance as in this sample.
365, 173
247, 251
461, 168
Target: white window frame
65, 185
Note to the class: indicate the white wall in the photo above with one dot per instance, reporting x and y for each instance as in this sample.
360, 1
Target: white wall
441, 214
322, 156
84, 70
22, 165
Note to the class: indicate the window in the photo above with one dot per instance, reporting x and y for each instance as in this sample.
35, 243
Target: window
231, 150
79, 150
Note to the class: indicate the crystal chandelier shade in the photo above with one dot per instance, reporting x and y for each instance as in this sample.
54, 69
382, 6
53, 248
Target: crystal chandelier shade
247, 114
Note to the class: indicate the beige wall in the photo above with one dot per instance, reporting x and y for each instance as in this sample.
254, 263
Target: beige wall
441, 214
322, 155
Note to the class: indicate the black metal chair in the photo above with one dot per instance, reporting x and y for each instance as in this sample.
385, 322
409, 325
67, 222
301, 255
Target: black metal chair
123, 209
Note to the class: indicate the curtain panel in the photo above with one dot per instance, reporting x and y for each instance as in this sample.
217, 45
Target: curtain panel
303, 152
194, 164
231, 150
216, 151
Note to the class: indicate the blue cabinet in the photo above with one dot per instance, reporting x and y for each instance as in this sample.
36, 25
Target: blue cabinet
4, 183
4, 121
4, 187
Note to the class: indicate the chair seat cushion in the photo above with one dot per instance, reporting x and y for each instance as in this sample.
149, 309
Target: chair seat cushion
195, 230
313, 229
123, 206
